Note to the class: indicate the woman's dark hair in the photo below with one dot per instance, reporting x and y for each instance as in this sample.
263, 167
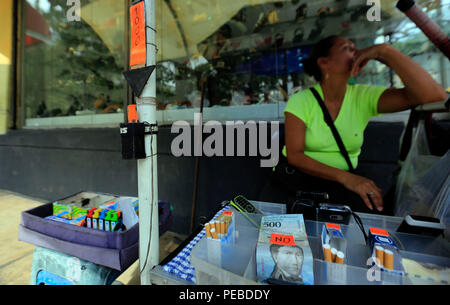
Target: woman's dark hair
320, 49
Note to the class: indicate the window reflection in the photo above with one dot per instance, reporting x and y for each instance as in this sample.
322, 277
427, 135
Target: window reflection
251, 51
73, 68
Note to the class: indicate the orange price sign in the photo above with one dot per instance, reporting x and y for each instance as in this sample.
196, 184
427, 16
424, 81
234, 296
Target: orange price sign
138, 45
333, 226
377, 231
285, 240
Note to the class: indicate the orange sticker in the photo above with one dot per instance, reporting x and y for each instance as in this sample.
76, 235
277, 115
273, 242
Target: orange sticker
132, 114
377, 231
138, 47
333, 226
285, 240
228, 213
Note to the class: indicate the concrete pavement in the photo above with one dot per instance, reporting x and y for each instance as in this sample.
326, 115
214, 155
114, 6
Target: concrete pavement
16, 256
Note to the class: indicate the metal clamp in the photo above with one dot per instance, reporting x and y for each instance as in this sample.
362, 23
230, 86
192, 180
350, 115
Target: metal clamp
146, 101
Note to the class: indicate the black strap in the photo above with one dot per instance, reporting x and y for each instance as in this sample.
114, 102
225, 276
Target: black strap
329, 121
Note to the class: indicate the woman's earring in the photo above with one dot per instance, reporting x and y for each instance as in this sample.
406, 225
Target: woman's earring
326, 75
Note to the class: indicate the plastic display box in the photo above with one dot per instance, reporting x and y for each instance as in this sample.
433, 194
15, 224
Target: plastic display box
235, 264
218, 263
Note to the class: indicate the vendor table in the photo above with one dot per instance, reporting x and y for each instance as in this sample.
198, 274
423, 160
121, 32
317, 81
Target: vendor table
190, 264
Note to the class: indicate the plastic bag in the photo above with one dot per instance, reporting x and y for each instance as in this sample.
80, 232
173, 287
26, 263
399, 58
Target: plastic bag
423, 183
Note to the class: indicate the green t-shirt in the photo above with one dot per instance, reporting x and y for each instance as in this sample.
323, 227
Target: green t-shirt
359, 105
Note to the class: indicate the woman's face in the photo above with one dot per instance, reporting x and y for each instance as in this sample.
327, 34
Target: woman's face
340, 58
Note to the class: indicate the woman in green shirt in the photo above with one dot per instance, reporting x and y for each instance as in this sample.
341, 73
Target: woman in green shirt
311, 148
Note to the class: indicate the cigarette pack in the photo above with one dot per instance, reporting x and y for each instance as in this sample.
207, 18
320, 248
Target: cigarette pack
76, 221
222, 228
62, 210
385, 253
78, 212
68, 211
334, 246
112, 205
220, 234
333, 237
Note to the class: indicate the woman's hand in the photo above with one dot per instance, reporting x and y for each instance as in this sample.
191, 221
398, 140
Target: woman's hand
363, 187
363, 56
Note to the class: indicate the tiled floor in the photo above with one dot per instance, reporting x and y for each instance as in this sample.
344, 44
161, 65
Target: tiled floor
16, 257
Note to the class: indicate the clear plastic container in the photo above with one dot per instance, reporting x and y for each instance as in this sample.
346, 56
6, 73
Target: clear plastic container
219, 263
390, 223
270, 208
225, 264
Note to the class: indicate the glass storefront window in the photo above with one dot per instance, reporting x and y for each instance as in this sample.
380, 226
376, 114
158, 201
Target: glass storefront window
250, 52
73, 68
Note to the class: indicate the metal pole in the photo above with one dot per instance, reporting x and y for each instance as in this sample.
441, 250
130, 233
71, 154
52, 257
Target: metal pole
203, 81
439, 38
391, 72
147, 168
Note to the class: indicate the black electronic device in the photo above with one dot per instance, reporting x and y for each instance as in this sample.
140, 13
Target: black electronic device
306, 207
244, 206
242, 203
306, 203
315, 196
421, 225
334, 213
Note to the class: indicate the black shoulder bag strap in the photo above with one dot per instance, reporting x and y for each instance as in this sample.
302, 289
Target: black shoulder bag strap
329, 121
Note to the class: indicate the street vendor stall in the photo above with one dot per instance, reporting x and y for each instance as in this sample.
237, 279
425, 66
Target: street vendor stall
424, 259
215, 256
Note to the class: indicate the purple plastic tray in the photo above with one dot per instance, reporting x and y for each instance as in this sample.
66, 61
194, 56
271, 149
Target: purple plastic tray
34, 220
116, 250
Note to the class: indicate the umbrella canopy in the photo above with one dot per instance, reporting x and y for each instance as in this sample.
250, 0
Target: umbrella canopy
105, 17
38, 29
181, 24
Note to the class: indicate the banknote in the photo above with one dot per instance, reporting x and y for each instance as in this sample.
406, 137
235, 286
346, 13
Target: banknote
283, 252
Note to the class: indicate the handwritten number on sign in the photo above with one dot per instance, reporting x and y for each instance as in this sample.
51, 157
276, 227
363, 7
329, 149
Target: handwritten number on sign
138, 45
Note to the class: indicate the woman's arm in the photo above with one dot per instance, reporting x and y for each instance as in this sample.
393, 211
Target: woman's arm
420, 87
295, 147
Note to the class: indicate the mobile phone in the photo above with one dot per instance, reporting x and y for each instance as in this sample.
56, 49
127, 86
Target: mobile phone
245, 205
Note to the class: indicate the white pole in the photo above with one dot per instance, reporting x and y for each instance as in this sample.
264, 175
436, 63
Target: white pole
147, 168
